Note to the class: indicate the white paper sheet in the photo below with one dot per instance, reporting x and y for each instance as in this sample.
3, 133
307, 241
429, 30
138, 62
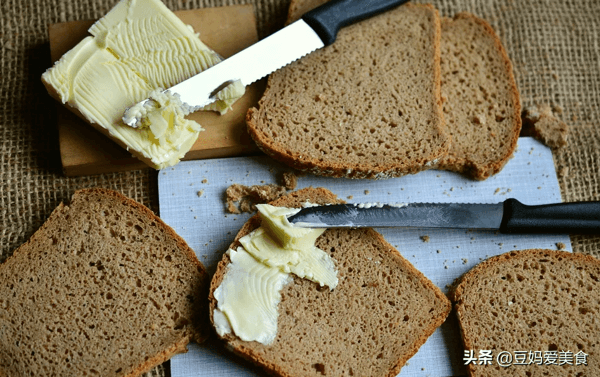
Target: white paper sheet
192, 201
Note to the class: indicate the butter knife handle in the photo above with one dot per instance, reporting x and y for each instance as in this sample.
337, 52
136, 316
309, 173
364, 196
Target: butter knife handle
574, 218
327, 19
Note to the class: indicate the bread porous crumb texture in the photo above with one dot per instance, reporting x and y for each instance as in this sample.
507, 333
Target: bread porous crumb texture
381, 312
532, 300
367, 106
103, 288
480, 97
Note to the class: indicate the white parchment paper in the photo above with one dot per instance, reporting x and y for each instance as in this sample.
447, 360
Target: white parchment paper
192, 201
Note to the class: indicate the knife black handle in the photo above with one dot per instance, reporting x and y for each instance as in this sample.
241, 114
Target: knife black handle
574, 218
330, 17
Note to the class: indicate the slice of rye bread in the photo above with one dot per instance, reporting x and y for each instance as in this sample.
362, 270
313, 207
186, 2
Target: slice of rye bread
368, 106
532, 300
103, 288
480, 98
378, 316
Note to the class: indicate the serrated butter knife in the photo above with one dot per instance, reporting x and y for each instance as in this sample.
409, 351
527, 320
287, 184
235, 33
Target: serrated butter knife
316, 29
510, 216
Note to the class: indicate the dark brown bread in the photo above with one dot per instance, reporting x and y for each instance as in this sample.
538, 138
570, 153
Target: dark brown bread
532, 300
480, 98
103, 288
381, 312
368, 106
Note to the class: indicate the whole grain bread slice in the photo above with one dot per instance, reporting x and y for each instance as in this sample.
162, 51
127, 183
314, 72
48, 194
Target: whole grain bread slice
103, 288
368, 106
378, 316
480, 98
543, 301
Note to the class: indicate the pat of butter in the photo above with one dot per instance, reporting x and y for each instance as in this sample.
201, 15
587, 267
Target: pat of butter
252, 283
248, 297
308, 262
275, 220
137, 49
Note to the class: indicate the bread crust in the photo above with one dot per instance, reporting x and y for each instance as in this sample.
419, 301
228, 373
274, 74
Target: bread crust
467, 164
258, 353
197, 331
257, 119
467, 289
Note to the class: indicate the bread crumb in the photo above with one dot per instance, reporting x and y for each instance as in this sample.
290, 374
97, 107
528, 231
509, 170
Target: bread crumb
560, 246
205, 180
539, 121
200, 193
367, 192
350, 197
425, 238
289, 180
465, 260
246, 197
497, 191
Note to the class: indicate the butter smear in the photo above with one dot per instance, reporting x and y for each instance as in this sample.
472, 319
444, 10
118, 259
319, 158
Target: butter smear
134, 52
250, 292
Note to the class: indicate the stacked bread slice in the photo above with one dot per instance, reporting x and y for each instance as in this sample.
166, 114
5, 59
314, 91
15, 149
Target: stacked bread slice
380, 313
480, 97
103, 288
367, 106
380, 102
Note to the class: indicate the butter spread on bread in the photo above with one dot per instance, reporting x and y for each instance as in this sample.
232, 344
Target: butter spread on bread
250, 291
381, 311
248, 298
138, 47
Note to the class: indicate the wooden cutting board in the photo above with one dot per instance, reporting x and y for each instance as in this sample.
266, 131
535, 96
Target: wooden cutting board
227, 30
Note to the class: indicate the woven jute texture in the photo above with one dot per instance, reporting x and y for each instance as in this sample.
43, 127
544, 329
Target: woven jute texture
554, 46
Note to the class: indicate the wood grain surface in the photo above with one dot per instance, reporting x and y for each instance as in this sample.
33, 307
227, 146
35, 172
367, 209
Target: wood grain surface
227, 30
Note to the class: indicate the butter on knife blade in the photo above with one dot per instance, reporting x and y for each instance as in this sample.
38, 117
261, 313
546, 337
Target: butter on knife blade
316, 29
510, 216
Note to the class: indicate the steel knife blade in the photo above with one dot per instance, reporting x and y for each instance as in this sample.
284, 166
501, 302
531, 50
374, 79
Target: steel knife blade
510, 216
316, 29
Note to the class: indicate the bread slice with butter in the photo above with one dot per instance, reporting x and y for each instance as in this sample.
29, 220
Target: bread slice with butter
367, 106
103, 288
540, 303
379, 314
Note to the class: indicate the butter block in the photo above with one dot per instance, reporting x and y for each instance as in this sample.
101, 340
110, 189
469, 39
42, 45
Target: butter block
139, 47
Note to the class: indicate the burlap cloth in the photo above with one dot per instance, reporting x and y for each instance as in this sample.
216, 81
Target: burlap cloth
554, 46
